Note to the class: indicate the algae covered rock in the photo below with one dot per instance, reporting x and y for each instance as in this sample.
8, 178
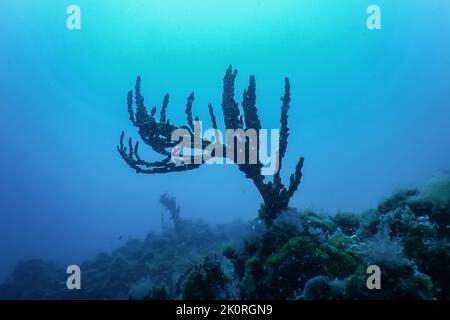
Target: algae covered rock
206, 281
398, 281
303, 254
322, 288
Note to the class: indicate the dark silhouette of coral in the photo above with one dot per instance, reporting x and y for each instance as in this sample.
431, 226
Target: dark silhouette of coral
170, 203
157, 135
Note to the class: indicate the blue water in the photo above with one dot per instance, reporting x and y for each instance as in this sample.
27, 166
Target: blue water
370, 109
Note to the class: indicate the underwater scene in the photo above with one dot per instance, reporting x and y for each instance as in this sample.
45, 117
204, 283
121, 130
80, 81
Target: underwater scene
225, 150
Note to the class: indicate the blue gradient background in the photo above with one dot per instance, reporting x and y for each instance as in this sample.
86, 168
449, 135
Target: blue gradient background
370, 109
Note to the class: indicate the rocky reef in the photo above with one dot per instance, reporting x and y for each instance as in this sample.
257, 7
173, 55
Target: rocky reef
301, 255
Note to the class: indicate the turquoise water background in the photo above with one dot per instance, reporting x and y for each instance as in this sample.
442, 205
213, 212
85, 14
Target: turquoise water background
370, 109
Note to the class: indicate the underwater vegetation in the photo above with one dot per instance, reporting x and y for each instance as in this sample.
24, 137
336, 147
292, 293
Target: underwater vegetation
158, 136
301, 255
285, 253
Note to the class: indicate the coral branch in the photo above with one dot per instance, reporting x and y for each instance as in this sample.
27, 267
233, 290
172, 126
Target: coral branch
213, 117
230, 108
189, 103
163, 117
249, 106
284, 129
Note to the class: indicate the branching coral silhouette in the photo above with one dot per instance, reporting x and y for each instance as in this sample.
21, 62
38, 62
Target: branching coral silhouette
170, 203
157, 135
